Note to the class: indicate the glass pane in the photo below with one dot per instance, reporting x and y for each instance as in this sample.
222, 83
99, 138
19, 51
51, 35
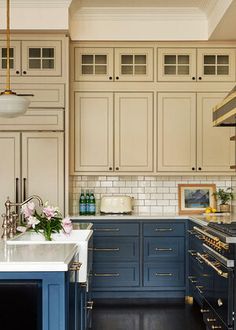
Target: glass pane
100, 69
209, 59
126, 59
4, 63
34, 64
170, 59
4, 52
224, 70
209, 70
183, 59
48, 52
183, 70
34, 52
223, 59
170, 69
100, 59
140, 59
87, 59
126, 69
87, 69
141, 69
47, 64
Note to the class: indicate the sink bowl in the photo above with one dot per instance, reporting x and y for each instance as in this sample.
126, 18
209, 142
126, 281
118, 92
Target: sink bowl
78, 237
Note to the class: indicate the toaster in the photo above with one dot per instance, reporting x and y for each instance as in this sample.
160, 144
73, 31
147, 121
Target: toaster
116, 204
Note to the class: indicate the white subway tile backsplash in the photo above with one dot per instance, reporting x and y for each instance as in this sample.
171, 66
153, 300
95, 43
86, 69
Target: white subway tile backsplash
155, 194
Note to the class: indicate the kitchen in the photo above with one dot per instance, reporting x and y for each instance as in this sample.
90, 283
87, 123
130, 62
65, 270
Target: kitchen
72, 112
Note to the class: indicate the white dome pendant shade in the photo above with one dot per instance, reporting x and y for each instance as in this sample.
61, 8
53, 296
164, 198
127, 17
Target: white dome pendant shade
11, 105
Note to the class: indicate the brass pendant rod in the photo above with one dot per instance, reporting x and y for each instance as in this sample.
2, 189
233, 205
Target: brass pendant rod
8, 80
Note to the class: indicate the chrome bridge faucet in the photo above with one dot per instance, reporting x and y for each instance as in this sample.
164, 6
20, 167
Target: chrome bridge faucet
10, 218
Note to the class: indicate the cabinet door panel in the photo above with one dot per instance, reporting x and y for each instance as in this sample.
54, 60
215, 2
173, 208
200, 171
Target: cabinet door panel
43, 166
15, 58
134, 132
9, 168
176, 64
215, 151
176, 131
93, 138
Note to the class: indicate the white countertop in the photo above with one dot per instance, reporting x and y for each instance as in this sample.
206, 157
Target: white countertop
35, 257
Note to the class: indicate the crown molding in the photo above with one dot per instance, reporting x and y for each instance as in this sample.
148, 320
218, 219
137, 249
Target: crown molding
37, 4
144, 13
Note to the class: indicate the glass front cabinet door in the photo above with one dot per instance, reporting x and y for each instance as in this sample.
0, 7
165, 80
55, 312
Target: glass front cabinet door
216, 64
93, 64
15, 58
41, 58
176, 64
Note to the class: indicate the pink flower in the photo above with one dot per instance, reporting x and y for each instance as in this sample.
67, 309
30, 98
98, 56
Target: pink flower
32, 221
28, 209
49, 212
67, 225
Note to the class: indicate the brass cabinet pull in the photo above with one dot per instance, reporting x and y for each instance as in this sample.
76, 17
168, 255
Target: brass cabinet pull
163, 249
164, 274
216, 327
204, 311
212, 265
75, 266
210, 320
106, 229
106, 249
89, 305
163, 229
106, 274
192, 252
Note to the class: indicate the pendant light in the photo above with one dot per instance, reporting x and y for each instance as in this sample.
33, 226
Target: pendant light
11, 104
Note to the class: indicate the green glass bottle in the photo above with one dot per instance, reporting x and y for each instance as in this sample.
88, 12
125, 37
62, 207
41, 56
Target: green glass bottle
87, 200
82, 204
92, 204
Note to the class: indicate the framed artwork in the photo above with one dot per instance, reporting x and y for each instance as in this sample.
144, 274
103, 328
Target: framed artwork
194, 198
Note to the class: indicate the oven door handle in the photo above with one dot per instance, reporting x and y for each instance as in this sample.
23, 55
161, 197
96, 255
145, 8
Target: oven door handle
212, 265
203, 232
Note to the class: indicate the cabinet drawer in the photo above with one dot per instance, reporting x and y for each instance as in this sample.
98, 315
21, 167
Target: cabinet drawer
163, 229
163, 274
162, 248
35, 119
115, 229
107, 275
115, 248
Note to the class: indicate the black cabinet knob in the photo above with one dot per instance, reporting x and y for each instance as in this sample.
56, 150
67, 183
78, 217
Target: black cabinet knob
200, 78
110, 168
193, 168
199, 168
193, 78
17, 72
117, 78
24, 72
110, 78
117, 168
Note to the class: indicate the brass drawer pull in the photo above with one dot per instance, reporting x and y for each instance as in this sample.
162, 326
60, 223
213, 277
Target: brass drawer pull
163, 249
204, 311
89, 305
164, 274
210, 320
192, 253
106, 274
75, 266
106, 229
106, 249
163, 229
216, 327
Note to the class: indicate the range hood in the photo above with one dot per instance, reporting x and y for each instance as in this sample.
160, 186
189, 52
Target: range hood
224, 113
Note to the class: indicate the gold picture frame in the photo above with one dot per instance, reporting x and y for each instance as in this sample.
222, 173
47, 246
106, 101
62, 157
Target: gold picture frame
194, 198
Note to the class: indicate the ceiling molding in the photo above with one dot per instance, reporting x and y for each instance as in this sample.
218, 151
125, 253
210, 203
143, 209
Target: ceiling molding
144, 13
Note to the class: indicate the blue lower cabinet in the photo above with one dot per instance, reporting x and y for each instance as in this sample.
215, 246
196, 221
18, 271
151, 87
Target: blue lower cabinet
164, 274
164, 249
108, 275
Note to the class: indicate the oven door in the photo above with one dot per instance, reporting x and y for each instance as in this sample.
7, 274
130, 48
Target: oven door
217, 288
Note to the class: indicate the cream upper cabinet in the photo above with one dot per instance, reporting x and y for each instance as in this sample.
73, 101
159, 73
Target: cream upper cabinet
133, 132
113, 64
196, 64
215, 151
175, 64
134, 64
216, 64
33, 58
43, 166
93, 64
92, 148
176, 132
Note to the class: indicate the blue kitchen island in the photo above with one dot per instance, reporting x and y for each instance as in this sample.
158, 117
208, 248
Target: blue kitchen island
42, 280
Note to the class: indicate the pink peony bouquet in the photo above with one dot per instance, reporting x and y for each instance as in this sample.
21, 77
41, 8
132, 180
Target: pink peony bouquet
49, 220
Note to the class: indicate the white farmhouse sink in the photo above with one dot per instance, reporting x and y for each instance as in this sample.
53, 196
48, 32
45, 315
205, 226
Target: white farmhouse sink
79, 237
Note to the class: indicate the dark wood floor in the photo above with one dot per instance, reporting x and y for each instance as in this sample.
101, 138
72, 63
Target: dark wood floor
147, 317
